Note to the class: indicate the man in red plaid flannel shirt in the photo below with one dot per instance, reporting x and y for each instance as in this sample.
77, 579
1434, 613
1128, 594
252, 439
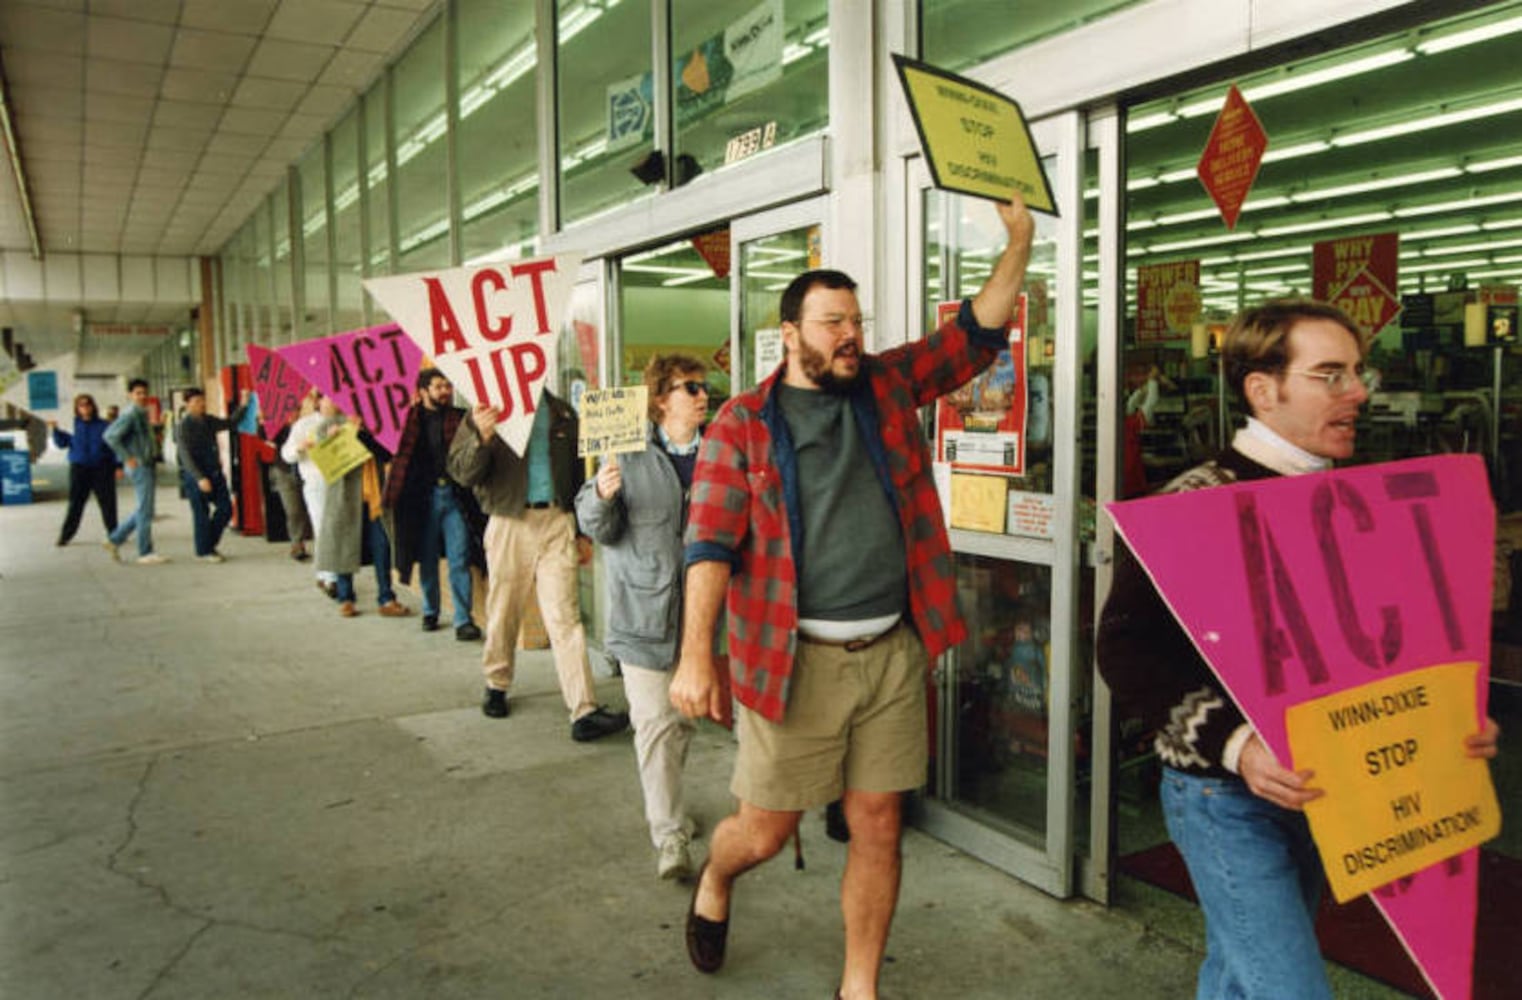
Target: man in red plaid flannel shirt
814, 509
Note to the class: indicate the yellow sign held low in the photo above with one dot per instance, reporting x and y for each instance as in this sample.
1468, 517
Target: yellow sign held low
975, 139
339, 453
1401, 794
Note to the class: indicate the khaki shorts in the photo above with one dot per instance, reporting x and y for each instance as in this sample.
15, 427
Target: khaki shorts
853, 720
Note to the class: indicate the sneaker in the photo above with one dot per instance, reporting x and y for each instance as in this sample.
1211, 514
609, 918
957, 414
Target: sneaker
347, 609
673, 860
494, 706
430, 623
152, 559
598, 723
468, 633
112, 550
212, 557
393, 609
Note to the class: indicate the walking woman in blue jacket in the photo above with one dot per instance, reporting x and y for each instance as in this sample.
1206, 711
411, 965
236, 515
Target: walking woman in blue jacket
92, 466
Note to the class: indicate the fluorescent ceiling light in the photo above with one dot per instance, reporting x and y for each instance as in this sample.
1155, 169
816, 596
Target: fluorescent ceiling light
1195, 216
1432, 234
1271, 254
1276, 269
1297, 150
1489, 165
1290, 83
1456, 206
1430, 122
1484, 33
695, 276
1143, 122
1174, 176
1489, 245
1493, 224
1258, 204
1442, 173
1446, 265
1204, 241
1515, 258
1306, 227
1512, 273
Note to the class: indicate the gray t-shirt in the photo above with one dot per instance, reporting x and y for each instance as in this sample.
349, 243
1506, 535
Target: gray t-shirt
851, 560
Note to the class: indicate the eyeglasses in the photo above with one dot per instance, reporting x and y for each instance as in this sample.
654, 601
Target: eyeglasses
1337, 382
693, 387
837, 322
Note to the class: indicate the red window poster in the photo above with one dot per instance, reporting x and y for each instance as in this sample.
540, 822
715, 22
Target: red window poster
981, 426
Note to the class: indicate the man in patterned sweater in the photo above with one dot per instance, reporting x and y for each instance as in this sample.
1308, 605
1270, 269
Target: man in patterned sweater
1234, 813
813, 507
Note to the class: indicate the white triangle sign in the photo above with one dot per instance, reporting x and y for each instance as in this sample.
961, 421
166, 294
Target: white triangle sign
492, 329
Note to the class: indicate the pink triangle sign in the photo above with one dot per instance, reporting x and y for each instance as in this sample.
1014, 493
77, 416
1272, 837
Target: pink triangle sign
277, 386
1326, 582
370, 374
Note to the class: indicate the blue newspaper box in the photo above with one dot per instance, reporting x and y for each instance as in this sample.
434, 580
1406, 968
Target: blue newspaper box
15, 477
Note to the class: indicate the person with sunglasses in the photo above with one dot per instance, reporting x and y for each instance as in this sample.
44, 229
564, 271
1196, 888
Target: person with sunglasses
814, 513
1234, 812
636, 509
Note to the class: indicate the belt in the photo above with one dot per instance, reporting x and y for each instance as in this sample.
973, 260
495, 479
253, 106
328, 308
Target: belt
852, 645
540, 505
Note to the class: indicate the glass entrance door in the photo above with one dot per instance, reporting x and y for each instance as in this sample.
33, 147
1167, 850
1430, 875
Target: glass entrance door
1007, 701
770, 249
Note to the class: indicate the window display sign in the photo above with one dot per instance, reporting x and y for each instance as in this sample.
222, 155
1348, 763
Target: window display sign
369, 374
1357, 274
1304, 590
975, 139
493, 329
46, 391
713, 247
1232, 156
1167, 299
981, 426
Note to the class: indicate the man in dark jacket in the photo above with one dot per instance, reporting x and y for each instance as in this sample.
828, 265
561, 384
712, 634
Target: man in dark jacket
211, 505
428, 507
531, 549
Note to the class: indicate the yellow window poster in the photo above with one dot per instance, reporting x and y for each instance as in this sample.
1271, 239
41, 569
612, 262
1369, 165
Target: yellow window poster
978, 502
340, 453
612, 421
975, 139
1401, 794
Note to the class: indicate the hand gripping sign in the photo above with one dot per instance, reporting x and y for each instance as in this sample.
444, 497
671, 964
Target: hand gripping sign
1348, 615
493, 329
369, 374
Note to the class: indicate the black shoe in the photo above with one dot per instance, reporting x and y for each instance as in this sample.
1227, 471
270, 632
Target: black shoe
495, 704
835, 826
468, 633
430, 623
598, 723
705, 938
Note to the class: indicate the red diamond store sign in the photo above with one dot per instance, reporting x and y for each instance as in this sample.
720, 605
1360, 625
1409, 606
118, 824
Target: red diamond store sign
1232, 156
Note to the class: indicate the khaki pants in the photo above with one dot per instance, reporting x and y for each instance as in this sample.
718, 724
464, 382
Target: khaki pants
661, 737
536, 554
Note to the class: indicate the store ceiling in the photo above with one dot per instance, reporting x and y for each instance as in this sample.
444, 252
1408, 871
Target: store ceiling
154, 127
1419, 134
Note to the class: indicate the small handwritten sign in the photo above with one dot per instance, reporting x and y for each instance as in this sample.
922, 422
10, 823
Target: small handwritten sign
613, 421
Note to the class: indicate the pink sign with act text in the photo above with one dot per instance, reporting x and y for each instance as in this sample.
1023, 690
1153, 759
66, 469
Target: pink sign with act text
1322, 583
369, 374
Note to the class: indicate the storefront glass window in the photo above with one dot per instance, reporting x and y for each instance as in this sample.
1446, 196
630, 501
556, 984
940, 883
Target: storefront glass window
349, 310
960, 33
314, 243
604, 94
671, 301
280, 200
379, 180
497, 146
421, 186
748, 75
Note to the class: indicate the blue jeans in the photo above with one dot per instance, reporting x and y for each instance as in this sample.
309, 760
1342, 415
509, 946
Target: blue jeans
1258, 877
141, 520
447, 522
380, 554
345, 584
209, 512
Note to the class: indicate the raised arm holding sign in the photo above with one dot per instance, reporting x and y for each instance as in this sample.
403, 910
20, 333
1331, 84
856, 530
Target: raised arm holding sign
1292, 588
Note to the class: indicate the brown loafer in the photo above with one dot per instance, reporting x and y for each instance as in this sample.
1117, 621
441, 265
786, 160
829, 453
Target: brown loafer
705, 938
347, 609
394, 610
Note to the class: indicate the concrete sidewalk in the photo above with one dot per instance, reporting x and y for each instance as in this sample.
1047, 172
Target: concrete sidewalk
213, 786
